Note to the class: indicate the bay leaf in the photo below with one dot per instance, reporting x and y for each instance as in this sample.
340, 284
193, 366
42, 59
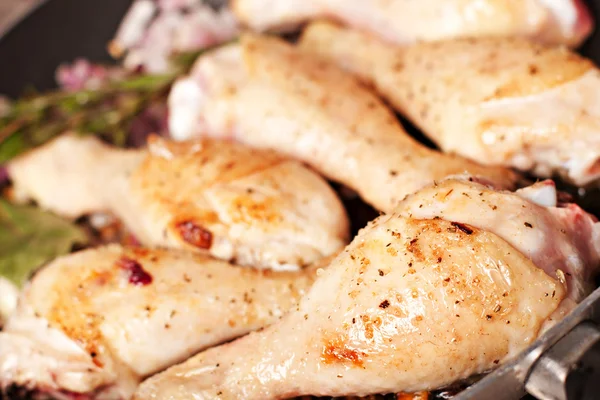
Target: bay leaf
30, 237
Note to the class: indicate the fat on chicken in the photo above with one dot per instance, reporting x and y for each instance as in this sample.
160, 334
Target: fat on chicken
459, 279
236, 203
268, 94
407, 21
92, 324
497, 101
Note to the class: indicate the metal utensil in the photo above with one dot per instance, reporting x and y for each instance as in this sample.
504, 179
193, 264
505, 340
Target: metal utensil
563, 364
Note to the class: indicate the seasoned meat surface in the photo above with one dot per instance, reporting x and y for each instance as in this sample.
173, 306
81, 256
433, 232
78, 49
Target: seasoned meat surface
94, 323
421, 298
268, 94
205, 195
497, 101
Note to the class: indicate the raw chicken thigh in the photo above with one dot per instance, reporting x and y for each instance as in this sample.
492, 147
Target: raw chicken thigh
94, 323
407, 21
497, 101
459, 279
268, 94
236, 203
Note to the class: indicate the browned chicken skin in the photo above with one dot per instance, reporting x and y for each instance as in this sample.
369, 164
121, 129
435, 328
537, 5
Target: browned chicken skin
445, 287
94, 323
255, 207
268, 94
497, 101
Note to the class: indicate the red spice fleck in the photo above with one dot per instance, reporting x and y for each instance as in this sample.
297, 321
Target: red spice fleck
95, 359
194, 234
465, 228
131, 240
137, 275
141, 251
415, 396
337, 350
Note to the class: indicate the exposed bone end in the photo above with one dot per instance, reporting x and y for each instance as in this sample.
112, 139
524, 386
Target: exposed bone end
541, 193
216, 75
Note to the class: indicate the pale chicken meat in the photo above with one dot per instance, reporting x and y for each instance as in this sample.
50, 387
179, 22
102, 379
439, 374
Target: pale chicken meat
497, 101
236, 203
407, 21
268, 94
94, 323
445, 287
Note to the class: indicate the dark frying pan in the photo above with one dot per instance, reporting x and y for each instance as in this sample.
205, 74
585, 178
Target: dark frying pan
564, 364
55, 32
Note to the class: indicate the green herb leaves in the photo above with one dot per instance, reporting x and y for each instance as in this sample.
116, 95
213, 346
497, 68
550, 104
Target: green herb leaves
30, 237
107, 111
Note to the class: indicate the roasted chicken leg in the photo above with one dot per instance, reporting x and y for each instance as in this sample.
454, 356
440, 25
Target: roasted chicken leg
458, 280
268, 94
406, 21
254, 207
497, 101
94, 323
